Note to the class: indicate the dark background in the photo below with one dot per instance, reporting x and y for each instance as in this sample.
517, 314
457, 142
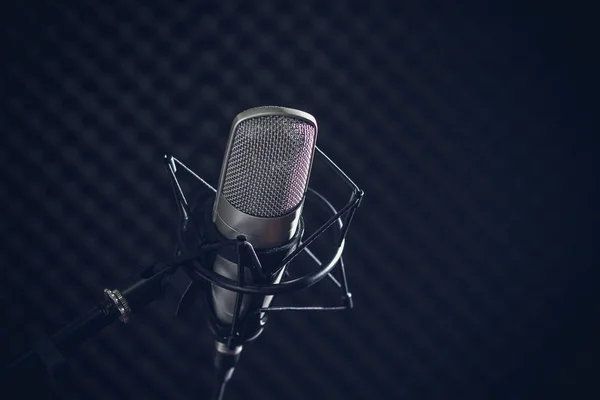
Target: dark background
471, 260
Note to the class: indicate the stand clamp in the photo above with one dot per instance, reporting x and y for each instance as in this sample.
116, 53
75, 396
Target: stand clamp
120, 302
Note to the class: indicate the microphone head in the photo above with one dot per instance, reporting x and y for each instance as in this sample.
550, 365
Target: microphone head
265, 175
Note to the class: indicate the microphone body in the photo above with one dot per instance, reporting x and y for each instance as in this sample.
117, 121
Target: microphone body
262, 185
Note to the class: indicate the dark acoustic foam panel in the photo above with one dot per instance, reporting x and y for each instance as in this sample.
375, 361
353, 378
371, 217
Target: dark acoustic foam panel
471, 260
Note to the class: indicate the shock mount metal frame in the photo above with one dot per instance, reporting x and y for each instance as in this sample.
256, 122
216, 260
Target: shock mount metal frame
342, 219
161, 278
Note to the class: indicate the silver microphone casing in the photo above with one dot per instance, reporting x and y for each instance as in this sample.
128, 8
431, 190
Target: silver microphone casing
277, 143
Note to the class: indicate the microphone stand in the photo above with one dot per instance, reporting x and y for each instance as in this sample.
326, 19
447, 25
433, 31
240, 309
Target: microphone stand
179, 279
48, 354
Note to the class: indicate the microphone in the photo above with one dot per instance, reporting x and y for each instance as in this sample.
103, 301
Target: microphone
263, 182
251, 227
262, 185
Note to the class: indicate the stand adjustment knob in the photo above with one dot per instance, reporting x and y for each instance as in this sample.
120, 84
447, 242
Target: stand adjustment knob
120, 302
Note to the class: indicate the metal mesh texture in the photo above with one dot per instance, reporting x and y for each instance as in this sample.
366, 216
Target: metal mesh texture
269, 165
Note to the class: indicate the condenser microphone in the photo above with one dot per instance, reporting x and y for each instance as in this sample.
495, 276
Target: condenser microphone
257, 209
263, 182
262, 186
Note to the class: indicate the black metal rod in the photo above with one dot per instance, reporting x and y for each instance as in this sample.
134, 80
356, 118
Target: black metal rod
84, 327
319, 263
141, 292
356, 200
254, 258
67, 338
308, 308
239, 296
317, 233
181, 197
177, 191
194, 174
338, 170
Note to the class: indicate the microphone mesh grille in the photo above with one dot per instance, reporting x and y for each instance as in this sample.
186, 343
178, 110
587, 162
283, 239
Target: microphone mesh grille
269, 164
